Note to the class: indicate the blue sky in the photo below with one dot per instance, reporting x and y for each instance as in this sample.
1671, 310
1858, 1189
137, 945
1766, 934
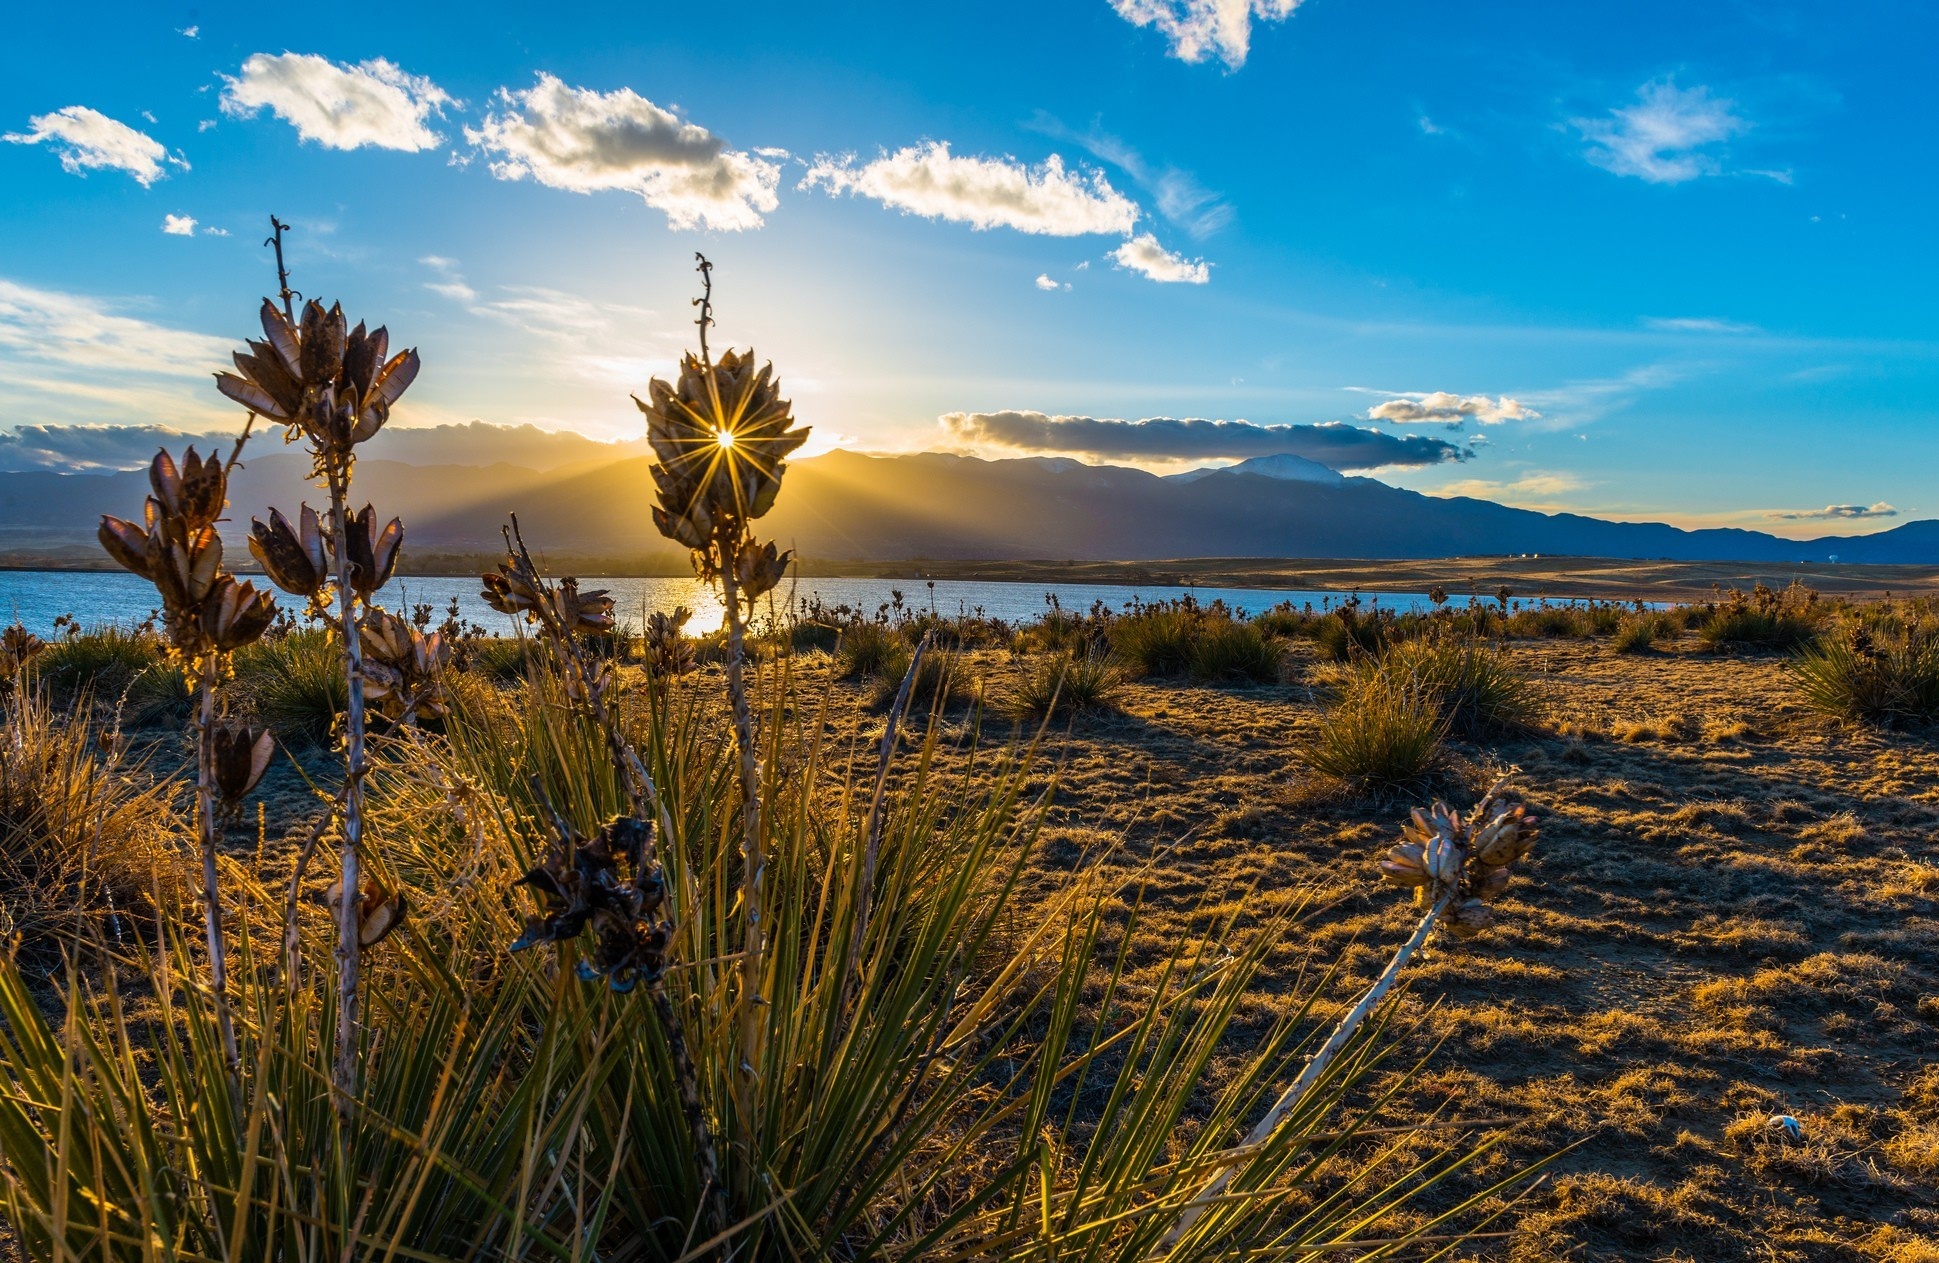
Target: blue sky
1647, 261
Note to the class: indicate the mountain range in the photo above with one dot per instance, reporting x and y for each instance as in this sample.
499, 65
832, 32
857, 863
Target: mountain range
844, 506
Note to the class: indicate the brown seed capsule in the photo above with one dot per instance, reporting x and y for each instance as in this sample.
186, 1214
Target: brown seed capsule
379, 912
1469, 918
125, 542
235, 613
242, 754
292, 556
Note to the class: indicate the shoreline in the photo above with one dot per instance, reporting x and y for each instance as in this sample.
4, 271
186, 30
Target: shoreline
1571, 578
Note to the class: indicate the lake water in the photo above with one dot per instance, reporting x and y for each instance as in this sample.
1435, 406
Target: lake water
36, 598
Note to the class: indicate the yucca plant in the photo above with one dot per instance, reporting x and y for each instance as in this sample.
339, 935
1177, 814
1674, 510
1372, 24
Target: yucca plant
207, 614
1887, 678
956, 1066
1158, 640
1066, 684
103, 660
1231, 651
721, 435
1383, 733
295, 684
333, 387
1476, 688
868, 650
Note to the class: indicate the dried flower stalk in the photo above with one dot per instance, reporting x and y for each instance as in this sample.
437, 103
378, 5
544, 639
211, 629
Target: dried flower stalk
334, 387
722, 434
207, 613
1451, 863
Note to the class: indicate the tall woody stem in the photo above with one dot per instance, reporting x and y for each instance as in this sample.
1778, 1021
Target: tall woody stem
1313, 1071
349, 950
753, 857
211, 829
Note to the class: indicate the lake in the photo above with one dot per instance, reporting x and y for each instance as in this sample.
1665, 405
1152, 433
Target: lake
36, 598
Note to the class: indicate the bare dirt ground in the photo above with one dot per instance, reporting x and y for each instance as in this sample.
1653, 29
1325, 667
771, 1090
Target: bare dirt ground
1733, 915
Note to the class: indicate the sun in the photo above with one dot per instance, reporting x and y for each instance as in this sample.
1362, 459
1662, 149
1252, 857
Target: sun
725, 438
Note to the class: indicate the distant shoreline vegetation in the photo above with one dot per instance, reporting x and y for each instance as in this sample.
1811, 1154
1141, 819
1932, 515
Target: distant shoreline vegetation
1535, 577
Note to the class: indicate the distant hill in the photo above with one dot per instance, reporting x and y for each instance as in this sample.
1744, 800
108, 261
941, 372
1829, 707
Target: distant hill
845, 506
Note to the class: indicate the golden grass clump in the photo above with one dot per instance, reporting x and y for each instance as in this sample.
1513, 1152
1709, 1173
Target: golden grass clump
83, 836
1382, 734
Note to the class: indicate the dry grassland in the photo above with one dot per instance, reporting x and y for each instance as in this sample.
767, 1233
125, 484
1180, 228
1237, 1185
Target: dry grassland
1733, 914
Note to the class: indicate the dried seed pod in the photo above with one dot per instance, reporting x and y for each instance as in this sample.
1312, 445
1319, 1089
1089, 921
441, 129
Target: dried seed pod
1443, 860
125, 542
379, 911
760, 569
1469, 918
371, 552
1491, 883
294, 557
1404, 865
403, 667
508, 592
722, 433
242, 754
235, 613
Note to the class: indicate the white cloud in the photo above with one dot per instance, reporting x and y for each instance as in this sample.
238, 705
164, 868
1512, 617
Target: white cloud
1045, 283
179, 225
1445, 406
214, 232
1667, 137
1198, 29
930, 181
1143, 254
1698, 324
88, 140
339, 106
193, 32
205, 125
584, 141
1837, 513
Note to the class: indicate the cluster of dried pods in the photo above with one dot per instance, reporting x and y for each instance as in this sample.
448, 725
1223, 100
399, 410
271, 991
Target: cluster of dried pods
1443, 854
205, 609
606, 883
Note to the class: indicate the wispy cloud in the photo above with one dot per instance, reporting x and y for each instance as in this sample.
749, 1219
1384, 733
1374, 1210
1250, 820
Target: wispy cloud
339, 106
1143, 254
1698, 324
1535, 489
1334, 444
73, 357
450, 282
88, 140
584, 141
1669, 135
1835, 513
1179, 196
928, 180
1201, 29
1449, 408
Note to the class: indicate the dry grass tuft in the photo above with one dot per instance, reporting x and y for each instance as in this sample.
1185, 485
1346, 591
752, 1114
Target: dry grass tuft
84, 840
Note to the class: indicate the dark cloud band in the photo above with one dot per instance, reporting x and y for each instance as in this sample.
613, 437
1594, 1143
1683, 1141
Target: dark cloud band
1334, 444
